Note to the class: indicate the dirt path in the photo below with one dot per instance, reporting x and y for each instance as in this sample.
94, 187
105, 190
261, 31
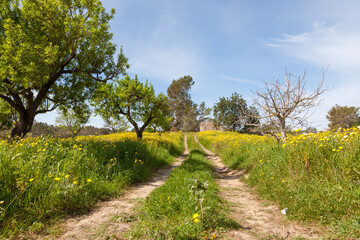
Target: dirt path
258, 219
113, 217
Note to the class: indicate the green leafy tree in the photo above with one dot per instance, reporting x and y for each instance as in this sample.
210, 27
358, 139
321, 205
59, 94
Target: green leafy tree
184, 111
234, 114
343, 117
74, 118
7, 116
53, 52
115, 123
134, 100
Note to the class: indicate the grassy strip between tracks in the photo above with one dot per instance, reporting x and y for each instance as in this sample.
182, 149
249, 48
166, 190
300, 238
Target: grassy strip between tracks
186, 206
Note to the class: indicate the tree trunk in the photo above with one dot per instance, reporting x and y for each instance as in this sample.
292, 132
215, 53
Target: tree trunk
23, 126
139, 134
283, 129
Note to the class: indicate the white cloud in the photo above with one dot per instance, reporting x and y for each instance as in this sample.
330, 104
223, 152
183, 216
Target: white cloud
336, 46
241, 80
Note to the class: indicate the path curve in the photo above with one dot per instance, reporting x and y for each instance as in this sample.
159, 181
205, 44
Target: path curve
113, 217
258, 220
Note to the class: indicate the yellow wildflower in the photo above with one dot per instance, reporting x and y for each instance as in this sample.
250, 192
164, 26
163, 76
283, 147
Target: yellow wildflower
31, 179
89, 180
57, 179
195, 215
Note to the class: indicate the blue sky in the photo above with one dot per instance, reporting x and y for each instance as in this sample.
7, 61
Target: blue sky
236, 45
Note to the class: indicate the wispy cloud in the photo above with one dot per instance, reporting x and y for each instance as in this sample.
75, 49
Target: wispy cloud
336, 46
241, 80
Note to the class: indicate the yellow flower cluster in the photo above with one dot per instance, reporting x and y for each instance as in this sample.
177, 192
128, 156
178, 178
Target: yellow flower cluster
231, 139
334, 140
148, 138
195, 218
138, 161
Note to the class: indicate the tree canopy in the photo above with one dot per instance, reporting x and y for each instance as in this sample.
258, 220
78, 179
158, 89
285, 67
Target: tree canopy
7, 116
180, 101
187, 115
233, 113
53, 52
135, 100
343, 117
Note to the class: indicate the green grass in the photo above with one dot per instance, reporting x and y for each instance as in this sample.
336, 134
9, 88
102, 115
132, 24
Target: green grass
242, 156
44, 179
316, 177
186, 206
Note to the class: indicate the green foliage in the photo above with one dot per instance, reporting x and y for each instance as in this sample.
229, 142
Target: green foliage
74, 118
135, 100
343, 117
7, 116
114, 122
184, 110
43, 179
234, 114
186, 206
53, 52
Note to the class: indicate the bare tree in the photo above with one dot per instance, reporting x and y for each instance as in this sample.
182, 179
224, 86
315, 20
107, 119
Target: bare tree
287, 101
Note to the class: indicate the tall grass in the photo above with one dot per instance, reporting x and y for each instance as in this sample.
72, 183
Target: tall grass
43, 179
315, 176
186, 206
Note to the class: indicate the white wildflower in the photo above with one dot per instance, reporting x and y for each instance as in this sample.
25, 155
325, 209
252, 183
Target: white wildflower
284, 211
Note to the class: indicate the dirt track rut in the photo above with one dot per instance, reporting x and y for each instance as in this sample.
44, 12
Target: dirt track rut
258, 219
113, 217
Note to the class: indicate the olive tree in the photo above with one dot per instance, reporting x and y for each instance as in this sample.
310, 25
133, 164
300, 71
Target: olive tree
53, 52
134, 100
